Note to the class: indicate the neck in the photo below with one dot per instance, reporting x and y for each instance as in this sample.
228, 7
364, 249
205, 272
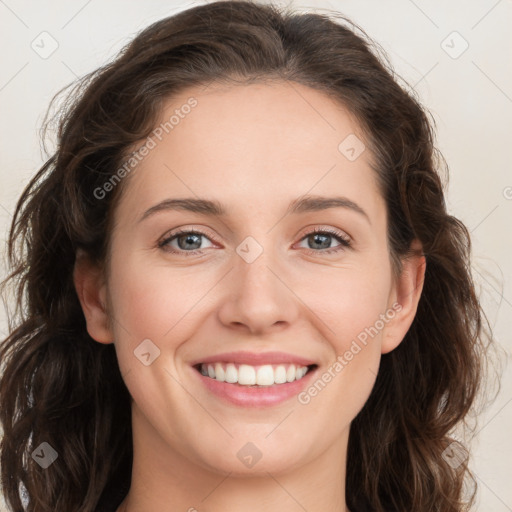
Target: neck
166, 480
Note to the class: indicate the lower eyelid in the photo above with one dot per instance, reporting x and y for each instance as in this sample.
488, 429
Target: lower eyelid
343, 240
171, 238
343, 244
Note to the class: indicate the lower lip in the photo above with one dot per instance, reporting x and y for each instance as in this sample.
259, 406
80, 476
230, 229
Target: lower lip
246, 396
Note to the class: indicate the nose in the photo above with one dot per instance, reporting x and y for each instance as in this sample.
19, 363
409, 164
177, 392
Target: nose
258, 298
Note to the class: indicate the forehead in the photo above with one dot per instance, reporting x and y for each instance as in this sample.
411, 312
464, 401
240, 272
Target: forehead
252, 144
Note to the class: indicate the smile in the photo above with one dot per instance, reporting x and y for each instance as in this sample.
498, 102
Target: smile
249, 375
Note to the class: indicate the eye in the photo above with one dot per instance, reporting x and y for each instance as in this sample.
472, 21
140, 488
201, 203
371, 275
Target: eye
319, 240
184, 240
189, 241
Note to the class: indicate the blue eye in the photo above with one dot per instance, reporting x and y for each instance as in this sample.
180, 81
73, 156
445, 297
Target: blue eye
186, 239
189, 242
324, 237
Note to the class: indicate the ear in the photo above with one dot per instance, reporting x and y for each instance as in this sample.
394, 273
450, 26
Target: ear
405, 297
92, 294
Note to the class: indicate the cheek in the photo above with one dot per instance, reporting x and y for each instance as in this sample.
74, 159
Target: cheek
353, 331
151, 300
140, 292
163, 303
353, 315
155, 302
348, 301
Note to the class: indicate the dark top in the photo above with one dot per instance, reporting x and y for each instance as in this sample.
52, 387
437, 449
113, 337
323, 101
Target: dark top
112, 497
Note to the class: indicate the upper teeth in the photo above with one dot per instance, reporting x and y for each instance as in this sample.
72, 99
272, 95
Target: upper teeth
246, 375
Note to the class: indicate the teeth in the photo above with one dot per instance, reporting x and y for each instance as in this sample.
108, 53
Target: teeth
246, 375
265, 376
280, 375
231, 374
219, 373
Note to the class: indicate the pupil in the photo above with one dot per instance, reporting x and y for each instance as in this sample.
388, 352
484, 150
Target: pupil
322, 240
189, 239
326, 244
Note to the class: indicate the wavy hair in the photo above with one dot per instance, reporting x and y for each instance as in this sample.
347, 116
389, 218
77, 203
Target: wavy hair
53, 383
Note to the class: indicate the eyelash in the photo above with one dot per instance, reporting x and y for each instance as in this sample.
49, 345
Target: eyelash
340, 237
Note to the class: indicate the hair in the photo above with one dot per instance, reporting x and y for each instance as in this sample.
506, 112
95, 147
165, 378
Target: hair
61, 387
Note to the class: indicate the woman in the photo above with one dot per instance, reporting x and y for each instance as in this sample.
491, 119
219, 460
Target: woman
238, 284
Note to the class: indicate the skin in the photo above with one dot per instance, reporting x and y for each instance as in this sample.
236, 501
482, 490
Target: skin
254, 148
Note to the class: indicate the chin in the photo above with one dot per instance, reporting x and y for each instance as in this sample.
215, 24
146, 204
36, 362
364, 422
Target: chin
248, 460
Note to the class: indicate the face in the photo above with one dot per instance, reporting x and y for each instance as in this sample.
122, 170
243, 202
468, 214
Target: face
291, 267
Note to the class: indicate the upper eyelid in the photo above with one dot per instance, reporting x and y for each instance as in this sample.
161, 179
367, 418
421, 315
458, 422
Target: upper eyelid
335, 232
183, 231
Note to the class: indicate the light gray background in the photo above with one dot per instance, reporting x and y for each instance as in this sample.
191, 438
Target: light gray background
470, 96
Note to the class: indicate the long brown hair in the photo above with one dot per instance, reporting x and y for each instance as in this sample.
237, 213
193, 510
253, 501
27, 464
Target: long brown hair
61, 387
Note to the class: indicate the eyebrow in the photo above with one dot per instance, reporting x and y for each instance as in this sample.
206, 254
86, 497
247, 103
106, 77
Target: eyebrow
215, 209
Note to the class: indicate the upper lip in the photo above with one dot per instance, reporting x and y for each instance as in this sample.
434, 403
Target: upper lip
253, 358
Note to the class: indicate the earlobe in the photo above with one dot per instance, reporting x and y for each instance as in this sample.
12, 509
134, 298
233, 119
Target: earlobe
91, 290
407, 293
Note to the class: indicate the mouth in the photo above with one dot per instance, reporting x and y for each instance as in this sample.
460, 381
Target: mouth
254, 376
254, 379
255, 385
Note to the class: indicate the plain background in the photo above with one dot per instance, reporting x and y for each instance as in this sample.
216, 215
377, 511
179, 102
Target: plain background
456, 56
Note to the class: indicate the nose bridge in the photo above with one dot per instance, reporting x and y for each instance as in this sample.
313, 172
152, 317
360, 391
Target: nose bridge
255, 270
258, 295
